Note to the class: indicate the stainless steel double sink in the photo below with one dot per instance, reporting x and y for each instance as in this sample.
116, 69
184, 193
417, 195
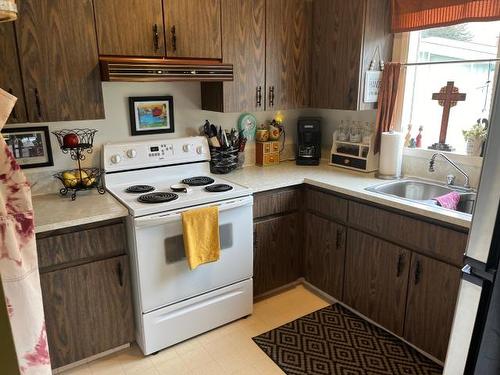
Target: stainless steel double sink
424, 192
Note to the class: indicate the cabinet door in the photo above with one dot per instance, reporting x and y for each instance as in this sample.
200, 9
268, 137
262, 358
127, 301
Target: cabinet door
193, 28
276, 252
288, 53
325, 255
10, 72
337, 43
88, 309
376, 278
432, 295
243, 45
130, 27
59, 63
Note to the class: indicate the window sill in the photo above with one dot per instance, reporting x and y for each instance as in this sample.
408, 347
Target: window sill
421, 153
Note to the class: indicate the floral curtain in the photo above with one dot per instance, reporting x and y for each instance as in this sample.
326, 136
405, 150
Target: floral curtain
18, 259
409, 15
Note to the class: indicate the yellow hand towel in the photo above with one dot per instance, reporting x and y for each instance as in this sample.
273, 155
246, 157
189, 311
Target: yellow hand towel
201, 235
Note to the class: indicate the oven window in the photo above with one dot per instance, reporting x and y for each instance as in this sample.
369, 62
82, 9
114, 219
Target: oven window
174, 246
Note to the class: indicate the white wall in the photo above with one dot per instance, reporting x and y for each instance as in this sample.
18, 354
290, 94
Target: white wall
188, 118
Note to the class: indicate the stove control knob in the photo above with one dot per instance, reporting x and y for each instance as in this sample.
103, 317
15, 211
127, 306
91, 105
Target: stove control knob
187, 147
115, 159
131, 153
199, 150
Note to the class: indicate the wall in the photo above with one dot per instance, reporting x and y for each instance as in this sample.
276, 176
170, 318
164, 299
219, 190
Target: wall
188, 118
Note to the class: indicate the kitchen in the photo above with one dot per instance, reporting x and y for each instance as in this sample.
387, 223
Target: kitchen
324, 261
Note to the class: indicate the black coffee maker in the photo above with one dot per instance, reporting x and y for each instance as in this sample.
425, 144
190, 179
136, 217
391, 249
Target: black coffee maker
309, 141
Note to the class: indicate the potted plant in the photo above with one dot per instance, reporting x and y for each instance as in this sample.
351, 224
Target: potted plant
474, 138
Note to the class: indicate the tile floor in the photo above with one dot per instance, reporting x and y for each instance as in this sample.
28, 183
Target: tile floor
226, 350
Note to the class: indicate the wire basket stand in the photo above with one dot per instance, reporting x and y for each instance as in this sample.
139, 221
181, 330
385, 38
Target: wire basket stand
78, 143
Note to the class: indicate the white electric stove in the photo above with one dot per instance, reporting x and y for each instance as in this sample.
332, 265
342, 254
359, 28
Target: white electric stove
173, 303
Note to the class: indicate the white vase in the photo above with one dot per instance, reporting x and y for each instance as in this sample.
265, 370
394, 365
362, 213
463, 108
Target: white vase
474, 146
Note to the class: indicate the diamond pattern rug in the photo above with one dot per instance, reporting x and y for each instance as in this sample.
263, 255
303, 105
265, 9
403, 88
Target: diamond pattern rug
335, 341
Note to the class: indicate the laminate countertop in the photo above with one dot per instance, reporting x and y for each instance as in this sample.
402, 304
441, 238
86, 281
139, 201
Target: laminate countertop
53, 211
341, 181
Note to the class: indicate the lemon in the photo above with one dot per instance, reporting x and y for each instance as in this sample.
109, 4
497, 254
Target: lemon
89, 181
82, 176
69, 179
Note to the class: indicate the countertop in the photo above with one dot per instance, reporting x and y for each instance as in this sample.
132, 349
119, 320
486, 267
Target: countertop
337, 180
53, 211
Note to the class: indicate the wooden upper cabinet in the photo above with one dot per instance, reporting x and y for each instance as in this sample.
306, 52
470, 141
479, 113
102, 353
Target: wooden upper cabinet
193, 28
130, 27
346, 37
288, 53
59, 62
432, 296
10, 73
243, 45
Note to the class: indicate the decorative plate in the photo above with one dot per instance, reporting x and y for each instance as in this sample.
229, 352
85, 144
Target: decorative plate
247, 123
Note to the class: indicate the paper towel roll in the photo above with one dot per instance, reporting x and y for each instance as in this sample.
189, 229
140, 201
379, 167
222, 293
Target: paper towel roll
391, 154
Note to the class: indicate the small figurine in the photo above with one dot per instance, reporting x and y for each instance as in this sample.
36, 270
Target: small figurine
408, 136
413, 144
419, 137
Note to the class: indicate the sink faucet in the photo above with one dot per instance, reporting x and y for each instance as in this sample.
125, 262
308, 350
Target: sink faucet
449, 178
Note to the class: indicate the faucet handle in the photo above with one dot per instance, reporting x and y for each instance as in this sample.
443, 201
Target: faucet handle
450, 179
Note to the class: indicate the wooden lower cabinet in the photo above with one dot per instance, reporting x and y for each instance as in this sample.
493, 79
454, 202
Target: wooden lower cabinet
376, 279
277, 246
432, 294
88, 309
324, 254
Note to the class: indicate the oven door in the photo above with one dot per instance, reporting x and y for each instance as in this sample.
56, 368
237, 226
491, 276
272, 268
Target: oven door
162, 271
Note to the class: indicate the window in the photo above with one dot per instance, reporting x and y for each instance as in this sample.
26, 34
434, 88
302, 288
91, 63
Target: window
465, 43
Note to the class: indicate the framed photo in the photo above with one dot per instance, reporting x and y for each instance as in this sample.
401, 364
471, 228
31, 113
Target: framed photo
30, 146
151, 115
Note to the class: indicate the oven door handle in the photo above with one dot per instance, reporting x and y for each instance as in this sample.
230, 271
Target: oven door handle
165, 218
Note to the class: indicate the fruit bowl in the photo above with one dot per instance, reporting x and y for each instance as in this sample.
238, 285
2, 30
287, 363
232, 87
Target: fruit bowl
80, 179
74, 141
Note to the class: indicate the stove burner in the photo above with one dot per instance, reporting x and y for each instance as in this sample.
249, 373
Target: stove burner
218, 188
159, 197
198, 181
139, 189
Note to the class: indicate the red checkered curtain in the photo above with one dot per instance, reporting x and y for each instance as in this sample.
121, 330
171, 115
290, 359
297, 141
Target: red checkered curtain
409, 15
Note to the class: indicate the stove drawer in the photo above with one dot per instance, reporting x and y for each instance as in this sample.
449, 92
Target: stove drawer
176, 323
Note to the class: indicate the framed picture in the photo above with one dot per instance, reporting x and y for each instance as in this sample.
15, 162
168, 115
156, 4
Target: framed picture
151, 115
30, 146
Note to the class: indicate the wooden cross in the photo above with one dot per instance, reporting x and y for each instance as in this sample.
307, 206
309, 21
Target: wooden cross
447, 97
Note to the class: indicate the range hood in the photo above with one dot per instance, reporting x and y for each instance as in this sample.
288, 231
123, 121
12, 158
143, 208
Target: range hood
134, 69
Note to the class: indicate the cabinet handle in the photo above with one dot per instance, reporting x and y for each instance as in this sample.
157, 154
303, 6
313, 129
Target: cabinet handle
271, 96
14, 112
120, 274
418, 272
156, 37
400, 265
38, 103
339, 238
174, 38
259, 96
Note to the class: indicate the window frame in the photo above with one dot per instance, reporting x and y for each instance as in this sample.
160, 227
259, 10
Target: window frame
401, 49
